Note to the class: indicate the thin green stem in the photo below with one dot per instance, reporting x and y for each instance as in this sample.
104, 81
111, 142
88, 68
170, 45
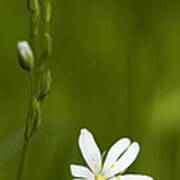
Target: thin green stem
31, 85
22, 171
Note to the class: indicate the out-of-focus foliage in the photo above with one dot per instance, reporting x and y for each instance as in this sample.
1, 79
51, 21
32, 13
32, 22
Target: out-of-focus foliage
115, 70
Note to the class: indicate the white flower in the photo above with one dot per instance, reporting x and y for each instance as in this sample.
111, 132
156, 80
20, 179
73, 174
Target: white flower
119, 157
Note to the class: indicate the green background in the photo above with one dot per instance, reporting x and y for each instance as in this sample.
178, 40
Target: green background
116, 71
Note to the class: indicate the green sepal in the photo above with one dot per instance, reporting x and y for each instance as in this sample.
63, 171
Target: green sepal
45, 87
33, 119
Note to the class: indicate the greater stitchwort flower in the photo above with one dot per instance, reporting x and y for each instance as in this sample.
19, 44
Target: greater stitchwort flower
119, 157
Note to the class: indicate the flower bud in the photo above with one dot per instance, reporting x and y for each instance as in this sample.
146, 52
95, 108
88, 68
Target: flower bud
47, 45
33, 119
48, 10
45, 86
33, 5
26, 57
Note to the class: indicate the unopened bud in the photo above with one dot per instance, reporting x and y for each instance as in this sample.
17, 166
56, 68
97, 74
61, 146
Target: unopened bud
33, 119
48, 10
26, 57
45, 86
33, 5
47, 45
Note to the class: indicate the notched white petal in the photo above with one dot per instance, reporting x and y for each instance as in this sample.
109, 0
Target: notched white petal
114, 153
126, 160
90, 150
80, 171
135, 177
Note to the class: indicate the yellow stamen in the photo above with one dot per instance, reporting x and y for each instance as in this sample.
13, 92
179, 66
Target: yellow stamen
118, 177
95, 165
99, 177
112, 165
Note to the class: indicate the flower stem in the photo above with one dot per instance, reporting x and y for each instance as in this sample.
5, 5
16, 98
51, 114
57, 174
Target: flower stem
22, 171
31, 86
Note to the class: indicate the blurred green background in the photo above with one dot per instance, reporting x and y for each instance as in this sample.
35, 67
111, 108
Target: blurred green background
116, 71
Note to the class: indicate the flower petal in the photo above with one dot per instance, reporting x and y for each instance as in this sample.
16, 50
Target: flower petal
132, 177
114, 153
126, 160
90, 150
81, 171
84, 178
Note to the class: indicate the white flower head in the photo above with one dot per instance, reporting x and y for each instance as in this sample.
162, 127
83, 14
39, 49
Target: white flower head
26, 57
119, 157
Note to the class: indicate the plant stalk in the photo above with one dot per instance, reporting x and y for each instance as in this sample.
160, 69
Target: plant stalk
22, 171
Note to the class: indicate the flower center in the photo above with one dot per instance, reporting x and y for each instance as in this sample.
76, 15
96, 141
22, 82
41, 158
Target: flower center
99, 177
